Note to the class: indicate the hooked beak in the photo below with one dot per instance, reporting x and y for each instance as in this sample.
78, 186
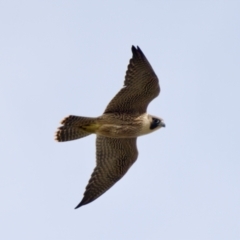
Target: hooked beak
162, 124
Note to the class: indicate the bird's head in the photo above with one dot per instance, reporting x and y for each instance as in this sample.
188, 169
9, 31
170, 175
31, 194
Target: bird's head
156, 123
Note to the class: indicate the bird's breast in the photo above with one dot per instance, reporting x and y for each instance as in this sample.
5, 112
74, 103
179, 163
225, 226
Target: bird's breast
130, 128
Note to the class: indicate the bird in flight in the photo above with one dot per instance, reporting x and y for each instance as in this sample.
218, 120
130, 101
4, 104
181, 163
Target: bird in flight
124, 119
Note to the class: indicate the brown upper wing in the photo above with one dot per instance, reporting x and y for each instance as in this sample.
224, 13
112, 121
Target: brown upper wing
140, 87
114, 157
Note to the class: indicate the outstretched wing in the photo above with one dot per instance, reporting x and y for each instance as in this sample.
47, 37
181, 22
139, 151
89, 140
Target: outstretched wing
140, 87
114, 157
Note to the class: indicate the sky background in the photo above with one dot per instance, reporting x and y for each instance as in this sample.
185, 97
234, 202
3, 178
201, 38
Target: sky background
70, 57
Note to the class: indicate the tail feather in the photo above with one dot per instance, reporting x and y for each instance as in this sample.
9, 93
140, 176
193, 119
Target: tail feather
75, 127
77, 121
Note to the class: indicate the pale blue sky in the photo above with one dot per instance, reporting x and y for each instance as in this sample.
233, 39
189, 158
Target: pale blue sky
69, 57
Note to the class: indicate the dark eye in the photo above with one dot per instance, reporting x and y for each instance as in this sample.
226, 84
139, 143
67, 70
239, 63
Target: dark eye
155, 123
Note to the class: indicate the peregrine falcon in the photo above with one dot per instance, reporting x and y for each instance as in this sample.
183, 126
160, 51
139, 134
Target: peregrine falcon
117, 129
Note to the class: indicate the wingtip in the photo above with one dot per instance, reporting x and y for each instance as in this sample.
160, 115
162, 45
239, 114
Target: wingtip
79, 205
134, 49
137, 50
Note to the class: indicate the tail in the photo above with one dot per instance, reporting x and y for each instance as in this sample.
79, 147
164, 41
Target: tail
76, 127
